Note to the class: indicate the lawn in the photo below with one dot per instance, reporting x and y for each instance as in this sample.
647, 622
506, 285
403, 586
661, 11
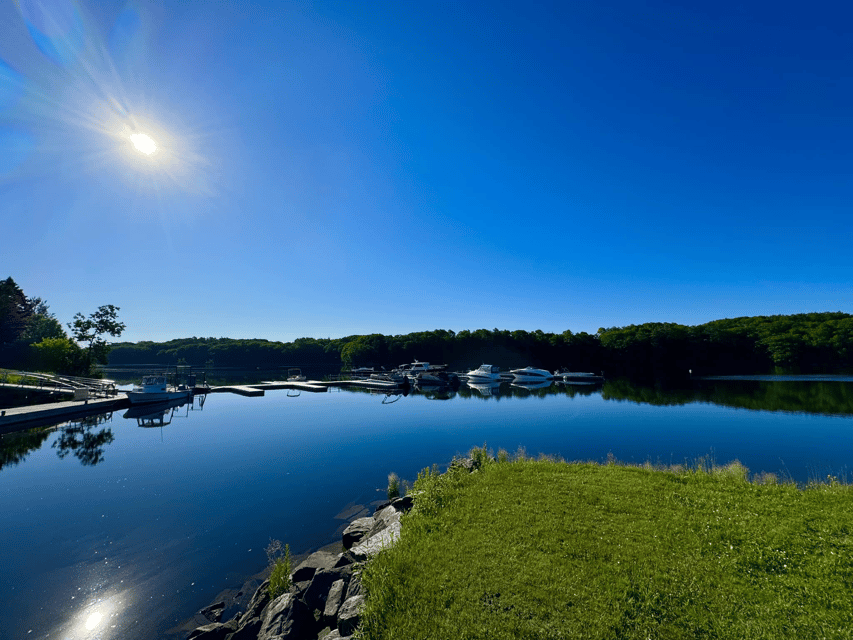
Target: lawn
548, 549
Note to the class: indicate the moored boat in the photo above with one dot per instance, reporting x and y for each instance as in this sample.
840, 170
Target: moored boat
487, 373
156, 388
529, 374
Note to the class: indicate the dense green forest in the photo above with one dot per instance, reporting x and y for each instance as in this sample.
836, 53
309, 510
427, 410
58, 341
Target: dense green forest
31, 337
802, 343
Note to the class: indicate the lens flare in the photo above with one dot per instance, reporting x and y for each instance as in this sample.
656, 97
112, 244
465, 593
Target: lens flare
143, 143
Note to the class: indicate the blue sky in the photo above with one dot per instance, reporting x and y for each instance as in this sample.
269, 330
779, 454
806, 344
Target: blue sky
333, 168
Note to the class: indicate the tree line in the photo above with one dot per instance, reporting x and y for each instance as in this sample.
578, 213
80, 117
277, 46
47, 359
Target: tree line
802, 343
32, 338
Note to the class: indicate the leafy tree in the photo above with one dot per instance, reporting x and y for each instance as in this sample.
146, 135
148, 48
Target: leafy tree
89, 330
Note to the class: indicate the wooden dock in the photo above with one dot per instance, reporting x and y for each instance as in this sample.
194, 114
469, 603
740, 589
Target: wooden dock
19, 418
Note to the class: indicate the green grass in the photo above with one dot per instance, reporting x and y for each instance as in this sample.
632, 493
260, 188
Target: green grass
280, 562
545, 549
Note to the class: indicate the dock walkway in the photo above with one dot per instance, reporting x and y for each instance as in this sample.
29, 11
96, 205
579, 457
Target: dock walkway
19, 418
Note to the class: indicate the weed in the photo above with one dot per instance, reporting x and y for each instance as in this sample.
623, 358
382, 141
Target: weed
393, 486
279, 559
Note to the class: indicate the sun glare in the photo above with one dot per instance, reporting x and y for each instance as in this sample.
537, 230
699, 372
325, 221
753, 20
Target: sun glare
143, 143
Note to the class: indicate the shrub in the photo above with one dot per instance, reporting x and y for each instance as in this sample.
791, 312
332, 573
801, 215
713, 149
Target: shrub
393, 486
280, 575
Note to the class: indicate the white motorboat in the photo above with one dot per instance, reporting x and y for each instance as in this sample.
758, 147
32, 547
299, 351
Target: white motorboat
294, 374
487, 373
529, 374
156, 388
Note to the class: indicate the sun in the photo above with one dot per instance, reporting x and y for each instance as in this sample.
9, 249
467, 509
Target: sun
143, 143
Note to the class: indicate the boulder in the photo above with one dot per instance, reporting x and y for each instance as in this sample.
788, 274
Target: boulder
356, 530
333, 635
350, 615
346, 559
317, 560
213, 612
214, 631
376, 543
317, 592
403, 504
334, 599
286, 618
354, 587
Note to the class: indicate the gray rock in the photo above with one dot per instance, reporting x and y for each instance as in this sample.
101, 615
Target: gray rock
356, 531
350, 615
404, 503
287, 617
345, 560
214, 631
334, 635
259, 600
317, 592
354, 587
376, 543
213, 612
383, 520
247, 629
334, 600
317, 560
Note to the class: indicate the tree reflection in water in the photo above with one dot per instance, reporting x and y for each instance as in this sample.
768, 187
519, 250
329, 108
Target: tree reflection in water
79, 439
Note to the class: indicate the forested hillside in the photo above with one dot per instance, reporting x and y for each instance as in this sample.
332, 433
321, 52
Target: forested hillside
803, 343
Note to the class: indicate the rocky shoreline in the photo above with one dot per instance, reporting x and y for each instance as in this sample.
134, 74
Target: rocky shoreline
324, 601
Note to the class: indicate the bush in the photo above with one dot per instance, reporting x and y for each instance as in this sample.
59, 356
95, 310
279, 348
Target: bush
393, 486
280, 575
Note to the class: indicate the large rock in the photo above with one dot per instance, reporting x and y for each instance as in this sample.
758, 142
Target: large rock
286, 618
356, 531
213, 612
354, 587
376, 543
350, 615
383, 520
317, 592
334, 600
214, 631
317, 560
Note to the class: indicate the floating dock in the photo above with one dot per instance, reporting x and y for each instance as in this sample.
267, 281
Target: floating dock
20, 418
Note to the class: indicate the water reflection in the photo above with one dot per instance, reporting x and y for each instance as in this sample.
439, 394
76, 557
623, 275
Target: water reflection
160, 414
79, 439
15, 447
822, 397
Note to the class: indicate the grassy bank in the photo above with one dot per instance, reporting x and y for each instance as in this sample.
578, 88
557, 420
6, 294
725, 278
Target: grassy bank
543, 549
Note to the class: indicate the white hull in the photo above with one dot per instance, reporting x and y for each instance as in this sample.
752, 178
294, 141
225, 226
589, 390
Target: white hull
528, 374
485, 374
143, 397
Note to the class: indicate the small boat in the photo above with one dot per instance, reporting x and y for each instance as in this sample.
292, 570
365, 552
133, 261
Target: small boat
529, 374
577, 377
485, 373
156, 388
435, 379
294, 374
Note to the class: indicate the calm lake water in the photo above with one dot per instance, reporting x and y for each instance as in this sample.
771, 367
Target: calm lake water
115, 531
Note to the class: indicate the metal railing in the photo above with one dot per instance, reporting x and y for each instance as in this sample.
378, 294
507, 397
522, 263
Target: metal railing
49, 381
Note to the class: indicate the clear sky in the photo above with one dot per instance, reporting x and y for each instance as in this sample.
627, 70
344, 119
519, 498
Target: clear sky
332, 168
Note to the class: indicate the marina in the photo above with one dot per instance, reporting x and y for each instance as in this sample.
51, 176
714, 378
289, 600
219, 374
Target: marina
104, 513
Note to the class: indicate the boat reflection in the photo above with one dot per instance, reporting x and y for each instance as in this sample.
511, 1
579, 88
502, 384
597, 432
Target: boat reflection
530, 386
486, 389
160, 414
